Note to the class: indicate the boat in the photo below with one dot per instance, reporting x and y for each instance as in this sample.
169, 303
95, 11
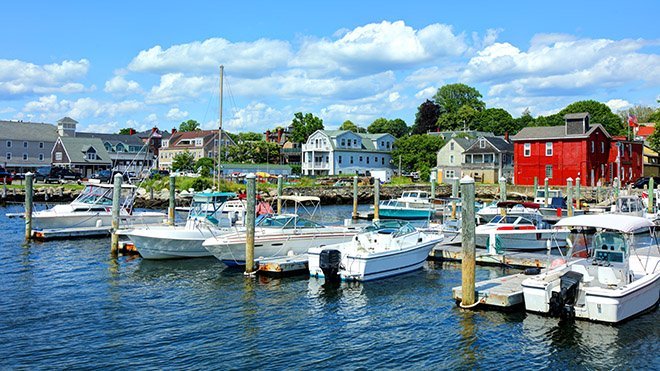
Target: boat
518, 232
488, 212
411, 205
93, 208
612, 280
540, 197
204, 221
385, 248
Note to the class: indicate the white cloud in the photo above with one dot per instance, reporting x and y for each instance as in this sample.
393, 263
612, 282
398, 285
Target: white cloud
21, 78
175, 114
618, 104
119, 85
176, 87
51, 108
241, 58
257, 117
426, 93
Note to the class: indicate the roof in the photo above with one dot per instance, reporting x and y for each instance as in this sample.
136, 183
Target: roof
300, 199
67, 120
575, 116
553, 132
114, 139
498, 143
616, 222
76, 147
463, 142
30, 131
645, 131
367, 139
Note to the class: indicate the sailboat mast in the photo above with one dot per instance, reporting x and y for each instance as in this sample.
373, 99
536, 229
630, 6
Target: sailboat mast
222, 70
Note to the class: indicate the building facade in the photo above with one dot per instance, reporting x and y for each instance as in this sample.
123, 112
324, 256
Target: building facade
488, 159
450, 158
84, 155
26, 146
200, 143
334, 152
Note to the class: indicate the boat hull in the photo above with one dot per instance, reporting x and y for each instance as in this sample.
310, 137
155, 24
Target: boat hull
404, 213
171, 242
44, 220
522, 240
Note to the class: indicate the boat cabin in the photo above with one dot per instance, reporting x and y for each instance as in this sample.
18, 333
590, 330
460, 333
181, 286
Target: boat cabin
99, 197
539, 197
287, 221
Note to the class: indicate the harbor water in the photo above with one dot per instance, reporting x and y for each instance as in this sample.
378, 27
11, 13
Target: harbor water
68, 304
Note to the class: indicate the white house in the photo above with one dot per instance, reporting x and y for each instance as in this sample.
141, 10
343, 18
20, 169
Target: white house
333, 152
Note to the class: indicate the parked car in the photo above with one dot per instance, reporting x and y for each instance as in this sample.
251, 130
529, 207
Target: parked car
107, 176
42, 174
61, 174
5, 176
644, 181
158, 173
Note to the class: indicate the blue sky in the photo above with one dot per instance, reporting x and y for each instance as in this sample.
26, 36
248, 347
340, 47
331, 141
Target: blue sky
143, 63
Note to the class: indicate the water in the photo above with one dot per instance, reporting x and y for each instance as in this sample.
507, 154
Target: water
68, 304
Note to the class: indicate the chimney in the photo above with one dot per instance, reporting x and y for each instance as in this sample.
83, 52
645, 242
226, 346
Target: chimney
279, 135
267, 135
173, 131
131, 131
506, 136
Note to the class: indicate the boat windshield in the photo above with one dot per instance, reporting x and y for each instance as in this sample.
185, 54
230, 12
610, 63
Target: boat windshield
394, 227
609, 241
93, 195
287, 221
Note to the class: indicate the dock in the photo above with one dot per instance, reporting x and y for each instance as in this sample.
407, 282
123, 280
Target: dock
365, 215
513, 259
284, 266
65, 233
502, 292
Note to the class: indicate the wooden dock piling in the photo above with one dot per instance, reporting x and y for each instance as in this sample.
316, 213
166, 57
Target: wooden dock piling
376, 199
249, 223
279, 194
502, 182
651, 189
29, 193
170, 209
468, 243
569, 197
546, 190
116, 194
355, 197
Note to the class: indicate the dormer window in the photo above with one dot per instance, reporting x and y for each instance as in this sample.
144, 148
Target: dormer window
108, 146
91, 154
120, 148
165, 143
199, 142
482, 143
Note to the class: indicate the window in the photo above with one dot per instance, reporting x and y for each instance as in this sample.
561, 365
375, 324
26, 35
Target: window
527, 150
451, 158
199, 142
382, 144
482, 143
602, 170
367, 159
592, 147
451, 146
58, 156
351, 159
25, 145
478, 159
41, 145
41, 157
343, 142
339, 159
165, 143
382, 160
548, 148
91, 155
548, 171
8, 155
468, 159
387, 145
360, 158
488, 158
630, 152
9, 144
449, 174
354, 142
602, 147
25, 156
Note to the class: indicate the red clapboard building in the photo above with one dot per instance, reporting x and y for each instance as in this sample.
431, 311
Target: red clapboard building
575, 149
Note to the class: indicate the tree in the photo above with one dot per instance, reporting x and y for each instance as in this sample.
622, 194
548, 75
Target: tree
655, 117
248, 137
497, 121
551, 120
417, 152
450, 98
304, 126
396, 127
184, 161
426, 118
643, 113
127, 131
349, 125
654, 140
190, 125
205, 166
600, 114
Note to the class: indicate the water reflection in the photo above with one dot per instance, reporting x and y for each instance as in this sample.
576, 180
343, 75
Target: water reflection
469, 351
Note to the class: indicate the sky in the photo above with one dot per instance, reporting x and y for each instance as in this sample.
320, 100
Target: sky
117, 64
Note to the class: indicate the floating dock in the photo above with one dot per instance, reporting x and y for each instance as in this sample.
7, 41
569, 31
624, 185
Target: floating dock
61, 233
284, 266
502, 292
510, 259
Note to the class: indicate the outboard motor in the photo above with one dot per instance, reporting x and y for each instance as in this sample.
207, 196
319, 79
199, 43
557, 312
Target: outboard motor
562, 302
329, 262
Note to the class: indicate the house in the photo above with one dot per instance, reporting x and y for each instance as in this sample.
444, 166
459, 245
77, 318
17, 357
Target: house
200, 143
333, 152
26, 146
576, 149
127, 152
450, 157
290, 152
644, 131
488, 159
154, 137
85, 155
651, 162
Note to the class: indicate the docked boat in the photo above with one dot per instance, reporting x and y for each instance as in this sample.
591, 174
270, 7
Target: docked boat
519, 232
277, 235
205, 220
615, 281
488, 212
385, 248
411, 205
93, 208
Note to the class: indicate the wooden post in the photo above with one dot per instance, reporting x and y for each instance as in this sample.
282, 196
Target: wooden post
454, 187
569, 197
502, 189
433, 179
546, 190
598, 192
617, 187
536, 185
651, 190
578, 193
170, 209
249, 223
355, 197
468, 241
376, 199
279, 194
116, 195
28, 205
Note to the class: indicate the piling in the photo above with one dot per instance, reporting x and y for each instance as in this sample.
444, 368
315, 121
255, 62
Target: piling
578, 193
28, 205
170, 209
569, 197
376, 199
546, 190
454, 187
598, 192
617, 186
502, 189
468, 244
536, 185
249, 223
651, 189
116, 194
433, 178
355, 197
279, 194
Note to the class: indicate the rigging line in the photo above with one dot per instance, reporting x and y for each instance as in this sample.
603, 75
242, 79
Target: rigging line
231, 94
213, 97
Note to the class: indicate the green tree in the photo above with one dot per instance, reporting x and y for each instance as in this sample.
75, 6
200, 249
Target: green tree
417, 152
396, 127
184, 161
126, 131
551, 120
655, 117
450, 98
426, 118
205, 166
497, 121
190, 125
600, 114
643, 113
349, 125
304, 126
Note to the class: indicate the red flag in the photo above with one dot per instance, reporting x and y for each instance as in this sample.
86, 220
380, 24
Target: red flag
632, 121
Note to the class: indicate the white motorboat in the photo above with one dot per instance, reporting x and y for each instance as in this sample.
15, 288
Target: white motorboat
383, 249
617, 280
93, 208
411, 205
488, 212
204, 221
277, 235
520, 232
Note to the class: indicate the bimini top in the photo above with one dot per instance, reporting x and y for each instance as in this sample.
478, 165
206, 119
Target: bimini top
300, 199
616, 222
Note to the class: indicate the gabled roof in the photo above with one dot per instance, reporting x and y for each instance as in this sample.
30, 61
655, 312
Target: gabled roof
67, 120
554, 132
31, 131
114, 139
645, 131
464, 143
76, 148
498, 143
575, 116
